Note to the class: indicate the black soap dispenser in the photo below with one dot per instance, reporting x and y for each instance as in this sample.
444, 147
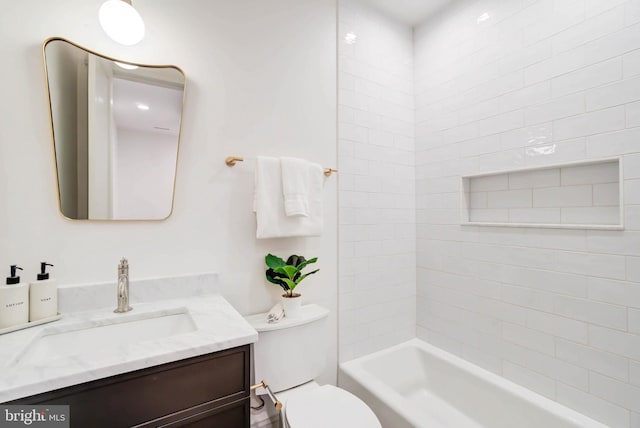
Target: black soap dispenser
14, 301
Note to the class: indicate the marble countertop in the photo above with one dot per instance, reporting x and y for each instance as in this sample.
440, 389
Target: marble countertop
218, 326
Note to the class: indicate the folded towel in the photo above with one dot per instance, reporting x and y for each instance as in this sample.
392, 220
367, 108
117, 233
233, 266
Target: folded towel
296, 176
272, 221
276, 313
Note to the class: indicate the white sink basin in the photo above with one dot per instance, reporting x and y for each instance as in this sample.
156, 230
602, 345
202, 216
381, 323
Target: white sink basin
90, 339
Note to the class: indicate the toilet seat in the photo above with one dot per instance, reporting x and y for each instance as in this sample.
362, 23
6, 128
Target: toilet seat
328, 406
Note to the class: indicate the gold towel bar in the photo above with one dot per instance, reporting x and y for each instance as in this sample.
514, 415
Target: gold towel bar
232, 160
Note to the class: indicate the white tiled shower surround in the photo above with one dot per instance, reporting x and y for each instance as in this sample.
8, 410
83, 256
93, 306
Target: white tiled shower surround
377, 232
540, 82
537, 83
584, 195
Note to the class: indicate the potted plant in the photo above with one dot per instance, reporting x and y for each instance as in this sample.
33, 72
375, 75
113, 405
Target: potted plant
288, 275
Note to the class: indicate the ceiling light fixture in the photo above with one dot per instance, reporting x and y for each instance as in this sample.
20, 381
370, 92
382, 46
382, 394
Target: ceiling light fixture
142, 106
121, 22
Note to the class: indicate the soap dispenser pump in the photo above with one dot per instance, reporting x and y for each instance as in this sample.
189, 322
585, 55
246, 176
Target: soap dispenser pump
14, 301
44, 275
13, 279
43, 295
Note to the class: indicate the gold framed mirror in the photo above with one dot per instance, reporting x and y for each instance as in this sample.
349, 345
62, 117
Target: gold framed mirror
116, 133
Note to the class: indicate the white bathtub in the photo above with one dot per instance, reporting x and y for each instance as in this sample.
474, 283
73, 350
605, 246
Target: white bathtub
415, 384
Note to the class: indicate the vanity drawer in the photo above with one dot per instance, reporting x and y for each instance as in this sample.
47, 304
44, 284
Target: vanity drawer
235, 414
189, 387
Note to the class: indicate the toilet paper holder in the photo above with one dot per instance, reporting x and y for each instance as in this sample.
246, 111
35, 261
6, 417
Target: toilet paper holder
276, 403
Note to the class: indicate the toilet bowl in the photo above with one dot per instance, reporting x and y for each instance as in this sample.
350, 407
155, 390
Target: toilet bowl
327, 406
289, 356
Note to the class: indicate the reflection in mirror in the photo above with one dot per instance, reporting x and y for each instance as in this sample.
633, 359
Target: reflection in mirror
116, 132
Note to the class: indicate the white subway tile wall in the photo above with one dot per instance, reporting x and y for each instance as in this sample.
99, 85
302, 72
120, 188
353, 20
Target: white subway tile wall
578, 195
539, 83
377, 260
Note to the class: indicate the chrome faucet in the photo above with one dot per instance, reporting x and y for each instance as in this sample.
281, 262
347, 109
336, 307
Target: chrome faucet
123, 287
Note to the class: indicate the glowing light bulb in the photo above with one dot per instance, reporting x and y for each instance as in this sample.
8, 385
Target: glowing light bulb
122, 23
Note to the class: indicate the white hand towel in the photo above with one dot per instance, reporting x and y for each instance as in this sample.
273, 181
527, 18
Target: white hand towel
272, 221
296, 176
276, 313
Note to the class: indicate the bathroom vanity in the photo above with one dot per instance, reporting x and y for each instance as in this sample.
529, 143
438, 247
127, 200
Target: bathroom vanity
179, 361
205, 391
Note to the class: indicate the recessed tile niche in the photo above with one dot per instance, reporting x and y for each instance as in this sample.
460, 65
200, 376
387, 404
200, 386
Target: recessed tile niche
582, 195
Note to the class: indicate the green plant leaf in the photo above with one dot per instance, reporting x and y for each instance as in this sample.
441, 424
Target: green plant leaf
275, 278
289, 271
295, 260
289, 283
307, 262
274, 261
306, 275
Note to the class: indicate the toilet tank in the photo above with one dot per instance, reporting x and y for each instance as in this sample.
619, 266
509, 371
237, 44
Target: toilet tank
292, 351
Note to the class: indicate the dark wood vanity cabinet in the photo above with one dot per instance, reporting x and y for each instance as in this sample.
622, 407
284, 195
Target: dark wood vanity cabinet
206, 391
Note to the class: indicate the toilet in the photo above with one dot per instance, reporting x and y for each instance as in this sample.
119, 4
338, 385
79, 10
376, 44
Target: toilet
289, 355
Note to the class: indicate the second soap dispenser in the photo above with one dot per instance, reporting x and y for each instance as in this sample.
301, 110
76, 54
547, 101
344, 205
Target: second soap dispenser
43, 296
14, 301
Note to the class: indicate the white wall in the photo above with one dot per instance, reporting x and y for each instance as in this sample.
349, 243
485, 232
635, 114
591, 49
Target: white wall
261, 79
537, 83
377, 205
144, 174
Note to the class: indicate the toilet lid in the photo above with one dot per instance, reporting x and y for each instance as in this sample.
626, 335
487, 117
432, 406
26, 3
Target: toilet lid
328, 406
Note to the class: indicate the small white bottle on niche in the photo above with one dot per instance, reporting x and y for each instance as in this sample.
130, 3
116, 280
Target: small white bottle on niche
14, 301
43, 296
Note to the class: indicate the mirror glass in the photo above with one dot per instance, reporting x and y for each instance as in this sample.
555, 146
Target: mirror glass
116, 133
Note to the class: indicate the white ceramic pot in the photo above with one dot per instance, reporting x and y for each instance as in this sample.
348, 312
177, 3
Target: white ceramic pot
291, 305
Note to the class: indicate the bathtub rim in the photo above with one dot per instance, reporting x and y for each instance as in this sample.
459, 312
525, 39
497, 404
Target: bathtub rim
354, 369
